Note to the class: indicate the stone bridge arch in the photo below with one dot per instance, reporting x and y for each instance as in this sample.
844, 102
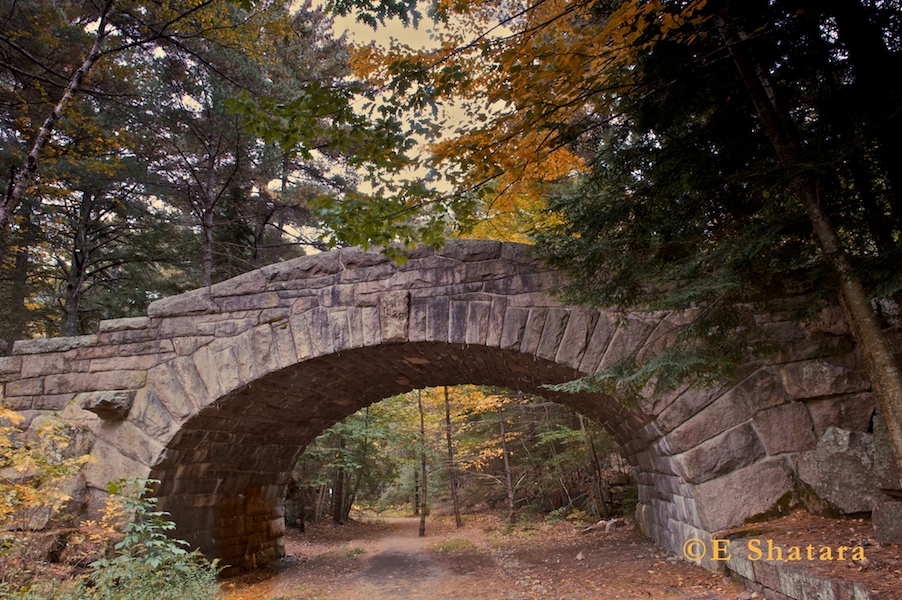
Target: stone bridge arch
216, 391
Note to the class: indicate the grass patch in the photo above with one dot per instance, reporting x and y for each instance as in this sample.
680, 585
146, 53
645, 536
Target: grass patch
352, 552
454, 546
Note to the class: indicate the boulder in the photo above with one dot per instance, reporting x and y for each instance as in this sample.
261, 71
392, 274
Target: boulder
887, 520
889, 476
840, 470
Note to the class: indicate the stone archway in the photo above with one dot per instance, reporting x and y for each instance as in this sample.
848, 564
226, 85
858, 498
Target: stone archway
216, 390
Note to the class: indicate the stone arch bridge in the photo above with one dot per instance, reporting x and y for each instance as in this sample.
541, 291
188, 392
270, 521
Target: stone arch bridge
216, 391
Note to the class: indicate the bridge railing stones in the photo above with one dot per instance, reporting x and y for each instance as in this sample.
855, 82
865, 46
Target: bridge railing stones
214, 375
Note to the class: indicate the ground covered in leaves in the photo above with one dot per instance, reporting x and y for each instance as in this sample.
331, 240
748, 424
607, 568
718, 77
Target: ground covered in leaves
485, 559
880, 570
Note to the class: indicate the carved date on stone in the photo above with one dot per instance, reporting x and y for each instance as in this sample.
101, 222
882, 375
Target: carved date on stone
394, 309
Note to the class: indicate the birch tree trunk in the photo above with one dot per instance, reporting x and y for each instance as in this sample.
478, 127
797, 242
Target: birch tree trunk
508, 480
22, 176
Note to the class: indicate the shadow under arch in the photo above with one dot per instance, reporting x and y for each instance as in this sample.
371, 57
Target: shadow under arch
225, 474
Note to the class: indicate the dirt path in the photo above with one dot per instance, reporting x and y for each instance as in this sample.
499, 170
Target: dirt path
387, 560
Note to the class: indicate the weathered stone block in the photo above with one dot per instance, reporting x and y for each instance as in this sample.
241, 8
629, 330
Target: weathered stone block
341, 330
521, 254
629, 336
236, 325
111, 406
813, 378
580, 325
124, 363
727, 452
355, 328
887, 520
51, 401
552, 333
94, 382
61, 344
477, 323
394, 308
496, 321
254, 302
151, 416
127, 336
10, 365
437, 318
284, 344
488, 270
126, 324
852, 412
800, 581
532, 333
25, 387
184, 346
253, 282
416, 324
683, 406
785, 428
514, 326
722, 414
471, 250
304, 267
164, 382
840, 469
830, 320
194, 302
727, 501
355, 258
109, 465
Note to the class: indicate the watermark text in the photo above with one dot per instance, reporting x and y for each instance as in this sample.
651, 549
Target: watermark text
696, 549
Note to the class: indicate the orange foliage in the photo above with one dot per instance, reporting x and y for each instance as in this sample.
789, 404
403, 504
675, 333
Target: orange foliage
539, 72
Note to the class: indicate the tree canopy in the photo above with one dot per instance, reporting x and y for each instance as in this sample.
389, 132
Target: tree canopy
711, 157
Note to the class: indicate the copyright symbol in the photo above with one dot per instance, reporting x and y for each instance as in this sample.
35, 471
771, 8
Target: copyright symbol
694, 549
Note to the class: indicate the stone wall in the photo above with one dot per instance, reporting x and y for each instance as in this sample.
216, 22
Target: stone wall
215, 392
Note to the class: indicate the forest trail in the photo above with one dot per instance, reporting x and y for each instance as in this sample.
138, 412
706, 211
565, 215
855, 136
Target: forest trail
387, 560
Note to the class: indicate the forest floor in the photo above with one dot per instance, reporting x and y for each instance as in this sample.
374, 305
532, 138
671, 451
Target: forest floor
386, 559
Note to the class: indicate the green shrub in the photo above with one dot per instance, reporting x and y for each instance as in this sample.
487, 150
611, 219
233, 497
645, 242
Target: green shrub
148, 565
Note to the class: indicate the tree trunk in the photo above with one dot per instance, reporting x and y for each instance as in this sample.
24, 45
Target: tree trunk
338, 487
598, 487
452, 468
880, 363
352, 494
320, 503
207, 226
21, 177
416, 492
78, 267
508, 480
422, 464
302, 507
